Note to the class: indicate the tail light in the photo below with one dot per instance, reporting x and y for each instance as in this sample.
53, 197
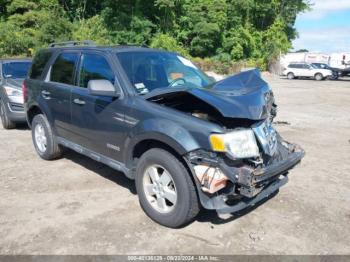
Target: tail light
25, 92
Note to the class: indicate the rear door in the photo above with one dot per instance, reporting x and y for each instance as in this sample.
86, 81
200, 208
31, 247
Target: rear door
97, 121
56, 90
308, 70
298, 70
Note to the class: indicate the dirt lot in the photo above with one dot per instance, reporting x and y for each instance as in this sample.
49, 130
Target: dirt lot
77, 206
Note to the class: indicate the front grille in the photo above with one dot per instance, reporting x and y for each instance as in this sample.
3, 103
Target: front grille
267, 137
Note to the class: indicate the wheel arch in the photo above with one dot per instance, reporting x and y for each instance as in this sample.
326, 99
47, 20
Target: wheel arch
32, 112
144, 145
138, 146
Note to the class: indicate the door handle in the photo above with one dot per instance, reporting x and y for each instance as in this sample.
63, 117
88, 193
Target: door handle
78, 101
46, 94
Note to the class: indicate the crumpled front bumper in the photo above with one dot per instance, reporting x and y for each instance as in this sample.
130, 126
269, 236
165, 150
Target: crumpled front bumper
252, 185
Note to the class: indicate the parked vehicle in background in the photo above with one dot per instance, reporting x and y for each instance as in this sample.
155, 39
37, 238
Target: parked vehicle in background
340, 72
186, 140
12, 74
336, 72
345, 72
305, 70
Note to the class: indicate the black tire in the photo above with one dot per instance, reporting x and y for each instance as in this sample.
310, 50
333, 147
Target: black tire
186, 207
6, 122
333, 77
53, 150
290, 76
318, 77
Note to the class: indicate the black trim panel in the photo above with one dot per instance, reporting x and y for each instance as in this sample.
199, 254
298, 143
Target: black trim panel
95, 156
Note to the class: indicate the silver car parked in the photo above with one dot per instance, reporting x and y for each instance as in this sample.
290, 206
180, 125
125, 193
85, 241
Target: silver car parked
12, 74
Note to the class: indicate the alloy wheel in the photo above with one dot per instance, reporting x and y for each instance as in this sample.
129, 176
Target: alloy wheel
159, 188
40, 138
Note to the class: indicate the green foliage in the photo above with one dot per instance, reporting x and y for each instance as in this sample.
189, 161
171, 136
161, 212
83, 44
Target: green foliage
93, 29
166, 42
30, 25
222, 31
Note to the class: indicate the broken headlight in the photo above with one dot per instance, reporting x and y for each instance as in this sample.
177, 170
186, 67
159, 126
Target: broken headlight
238, 144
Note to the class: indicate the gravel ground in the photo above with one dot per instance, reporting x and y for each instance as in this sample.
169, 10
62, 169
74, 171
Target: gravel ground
77, 206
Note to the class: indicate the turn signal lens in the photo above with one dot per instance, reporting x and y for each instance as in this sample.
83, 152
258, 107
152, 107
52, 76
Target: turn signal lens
217, 143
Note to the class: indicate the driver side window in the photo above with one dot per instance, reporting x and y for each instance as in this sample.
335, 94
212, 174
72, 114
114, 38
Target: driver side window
94, 67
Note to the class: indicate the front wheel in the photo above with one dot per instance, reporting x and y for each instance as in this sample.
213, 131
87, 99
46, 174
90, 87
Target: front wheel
165, 189
43, 138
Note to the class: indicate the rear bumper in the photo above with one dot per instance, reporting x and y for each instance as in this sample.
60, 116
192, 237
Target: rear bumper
250, 186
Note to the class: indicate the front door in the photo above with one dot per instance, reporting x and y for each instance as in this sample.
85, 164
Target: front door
97, 121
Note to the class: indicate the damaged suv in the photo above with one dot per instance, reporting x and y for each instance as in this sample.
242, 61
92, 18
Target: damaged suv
187, 141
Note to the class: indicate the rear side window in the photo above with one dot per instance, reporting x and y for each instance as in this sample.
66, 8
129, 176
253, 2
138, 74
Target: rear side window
62, 70
94, 67
39, 62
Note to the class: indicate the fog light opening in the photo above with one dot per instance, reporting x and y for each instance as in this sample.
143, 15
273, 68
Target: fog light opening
211, 178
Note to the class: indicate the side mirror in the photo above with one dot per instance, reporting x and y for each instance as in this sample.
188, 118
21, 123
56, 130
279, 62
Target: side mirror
103, 88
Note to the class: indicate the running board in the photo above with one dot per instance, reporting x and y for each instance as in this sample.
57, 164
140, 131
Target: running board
95, 156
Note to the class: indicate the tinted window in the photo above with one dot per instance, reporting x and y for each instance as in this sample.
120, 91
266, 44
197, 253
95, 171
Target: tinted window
62, 70
94, 67
295, 66
16, 69
39, 62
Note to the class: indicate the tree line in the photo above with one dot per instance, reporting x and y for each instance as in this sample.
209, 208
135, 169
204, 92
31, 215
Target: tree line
222, 30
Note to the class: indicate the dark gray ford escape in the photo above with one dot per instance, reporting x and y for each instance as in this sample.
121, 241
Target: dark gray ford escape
187, 141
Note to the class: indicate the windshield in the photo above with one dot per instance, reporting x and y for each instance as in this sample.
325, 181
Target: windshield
152, 70
16, 69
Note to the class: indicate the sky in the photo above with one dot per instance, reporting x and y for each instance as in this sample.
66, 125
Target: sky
326, 28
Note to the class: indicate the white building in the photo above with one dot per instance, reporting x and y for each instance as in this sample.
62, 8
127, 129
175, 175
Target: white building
338, 60
304, 57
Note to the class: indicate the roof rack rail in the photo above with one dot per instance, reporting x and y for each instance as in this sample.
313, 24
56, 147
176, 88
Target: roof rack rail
132, 45
73, 43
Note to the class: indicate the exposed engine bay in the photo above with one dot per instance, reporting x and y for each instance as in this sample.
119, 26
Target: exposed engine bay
190, 104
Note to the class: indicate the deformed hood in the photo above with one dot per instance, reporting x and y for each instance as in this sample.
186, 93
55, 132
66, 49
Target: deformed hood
244, 95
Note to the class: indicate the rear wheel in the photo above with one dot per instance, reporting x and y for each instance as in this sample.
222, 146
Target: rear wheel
165, 189
290, 76
318, 77
6, 122
44, 141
